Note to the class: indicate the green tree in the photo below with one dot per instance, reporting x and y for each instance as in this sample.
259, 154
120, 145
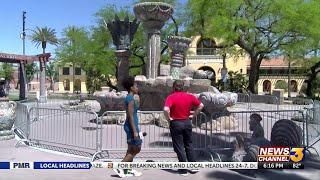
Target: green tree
31, 70
236, 82
42, 36
281, 85
6, 73
260, 27
52, 72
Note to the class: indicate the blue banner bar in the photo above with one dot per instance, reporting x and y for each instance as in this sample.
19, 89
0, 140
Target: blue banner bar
4, 165
62, 165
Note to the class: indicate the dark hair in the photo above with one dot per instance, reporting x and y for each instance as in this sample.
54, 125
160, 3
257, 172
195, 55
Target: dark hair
255, 117
178, 85
128, 83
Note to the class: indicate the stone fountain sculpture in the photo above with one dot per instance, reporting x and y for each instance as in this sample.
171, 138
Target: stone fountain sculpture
122, 35
178, 45
122, 32
7, 116
153, 16
154, 88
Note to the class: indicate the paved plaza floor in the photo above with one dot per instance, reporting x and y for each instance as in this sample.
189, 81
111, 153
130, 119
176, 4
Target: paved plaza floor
8, 152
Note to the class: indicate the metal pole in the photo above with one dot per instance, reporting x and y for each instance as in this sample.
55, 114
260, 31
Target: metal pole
23, 32
22, 71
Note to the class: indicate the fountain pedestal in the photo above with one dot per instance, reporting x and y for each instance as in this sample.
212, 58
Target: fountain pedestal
178, 45
153, 15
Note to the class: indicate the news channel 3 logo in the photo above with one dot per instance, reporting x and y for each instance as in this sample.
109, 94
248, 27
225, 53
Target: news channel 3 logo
297, 154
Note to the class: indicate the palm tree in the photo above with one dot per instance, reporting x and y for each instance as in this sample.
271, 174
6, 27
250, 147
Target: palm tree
43, 36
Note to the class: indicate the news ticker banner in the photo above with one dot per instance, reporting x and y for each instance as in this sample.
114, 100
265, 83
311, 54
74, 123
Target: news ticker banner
124, 165
149, 165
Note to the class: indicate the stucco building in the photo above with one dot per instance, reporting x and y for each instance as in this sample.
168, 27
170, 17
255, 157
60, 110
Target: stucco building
202, 55
72, 79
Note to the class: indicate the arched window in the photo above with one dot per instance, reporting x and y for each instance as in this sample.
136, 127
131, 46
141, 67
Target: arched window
266, 86
294, 86
206, 47
66, 84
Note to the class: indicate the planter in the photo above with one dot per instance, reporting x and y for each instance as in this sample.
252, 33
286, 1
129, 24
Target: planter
7, 117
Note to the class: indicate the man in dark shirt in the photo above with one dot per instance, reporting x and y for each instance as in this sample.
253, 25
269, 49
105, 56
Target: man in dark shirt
177, 111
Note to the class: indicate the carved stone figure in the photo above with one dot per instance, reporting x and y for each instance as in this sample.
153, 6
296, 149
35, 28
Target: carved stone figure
122, 32
286, 133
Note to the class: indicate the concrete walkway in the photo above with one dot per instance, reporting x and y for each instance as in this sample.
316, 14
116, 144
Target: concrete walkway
24, 154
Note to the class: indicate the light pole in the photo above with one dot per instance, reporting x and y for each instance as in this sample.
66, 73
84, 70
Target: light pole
23, 32
22, 71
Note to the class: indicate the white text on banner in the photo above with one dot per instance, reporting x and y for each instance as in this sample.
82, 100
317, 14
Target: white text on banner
176, 165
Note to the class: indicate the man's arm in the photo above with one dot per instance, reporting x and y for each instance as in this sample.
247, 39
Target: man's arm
198, 110
166, 111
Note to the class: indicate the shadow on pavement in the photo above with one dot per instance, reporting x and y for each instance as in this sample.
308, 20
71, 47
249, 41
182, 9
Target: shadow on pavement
229, 175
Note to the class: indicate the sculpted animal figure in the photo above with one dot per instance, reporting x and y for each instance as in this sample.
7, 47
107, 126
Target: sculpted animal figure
257, 137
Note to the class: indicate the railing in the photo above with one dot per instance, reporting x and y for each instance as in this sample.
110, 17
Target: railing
82, 132
71, 131
21, 123
156, 145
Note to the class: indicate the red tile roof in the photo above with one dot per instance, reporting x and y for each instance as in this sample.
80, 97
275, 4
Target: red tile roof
274, 62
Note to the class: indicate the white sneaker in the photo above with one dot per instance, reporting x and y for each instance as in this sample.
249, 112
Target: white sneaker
131, 172
119, 172
184, 174
193, 171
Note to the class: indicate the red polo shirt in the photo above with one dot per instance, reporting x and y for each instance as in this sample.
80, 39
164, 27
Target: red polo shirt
180, 104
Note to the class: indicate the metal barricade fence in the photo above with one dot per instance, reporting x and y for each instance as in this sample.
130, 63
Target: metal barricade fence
70, 131
83, 133
156, 145
312, 116
21, 122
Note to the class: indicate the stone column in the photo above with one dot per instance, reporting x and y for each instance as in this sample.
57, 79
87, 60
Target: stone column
153, 53
123, 67
43, 97
179, 46
23, 82
153, 15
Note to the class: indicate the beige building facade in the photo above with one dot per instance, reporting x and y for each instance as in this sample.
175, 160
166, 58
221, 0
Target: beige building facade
72, 79
202, 55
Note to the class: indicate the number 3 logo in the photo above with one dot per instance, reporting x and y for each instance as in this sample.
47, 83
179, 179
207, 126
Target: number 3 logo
296, 154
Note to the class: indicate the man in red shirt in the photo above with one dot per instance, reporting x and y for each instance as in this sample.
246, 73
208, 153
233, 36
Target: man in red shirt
177, 111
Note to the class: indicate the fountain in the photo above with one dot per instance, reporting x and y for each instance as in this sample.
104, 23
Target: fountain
154, 88
153, 16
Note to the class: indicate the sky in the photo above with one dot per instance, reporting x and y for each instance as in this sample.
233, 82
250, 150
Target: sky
55, 14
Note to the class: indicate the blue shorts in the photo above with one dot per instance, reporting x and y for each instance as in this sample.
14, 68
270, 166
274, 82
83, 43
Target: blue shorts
130, 139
